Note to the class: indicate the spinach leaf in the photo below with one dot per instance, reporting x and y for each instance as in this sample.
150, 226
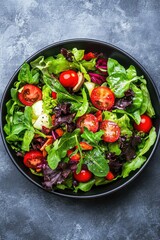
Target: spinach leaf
96, 162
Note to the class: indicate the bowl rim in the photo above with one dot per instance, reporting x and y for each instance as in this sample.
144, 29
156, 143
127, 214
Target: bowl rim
77, 40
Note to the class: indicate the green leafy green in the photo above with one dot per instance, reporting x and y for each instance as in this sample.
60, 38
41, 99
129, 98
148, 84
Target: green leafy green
96, 162
60, 147
84, 107
92, 138
85, 187
27, 76
48, 102
78, 54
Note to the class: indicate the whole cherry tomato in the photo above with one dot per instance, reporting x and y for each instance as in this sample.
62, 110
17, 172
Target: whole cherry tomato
145, 124
68, 78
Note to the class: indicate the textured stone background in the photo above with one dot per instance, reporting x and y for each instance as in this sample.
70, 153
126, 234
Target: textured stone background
27, 212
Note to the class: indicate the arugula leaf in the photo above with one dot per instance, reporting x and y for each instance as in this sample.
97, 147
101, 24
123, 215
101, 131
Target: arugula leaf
91, 137
96, 162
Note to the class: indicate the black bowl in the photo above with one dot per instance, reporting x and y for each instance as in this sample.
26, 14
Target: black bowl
110, 51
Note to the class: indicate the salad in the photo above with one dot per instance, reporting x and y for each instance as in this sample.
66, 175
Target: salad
79, 119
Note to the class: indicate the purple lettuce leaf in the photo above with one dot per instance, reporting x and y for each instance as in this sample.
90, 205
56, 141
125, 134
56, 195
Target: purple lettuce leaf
97, 78
124, 102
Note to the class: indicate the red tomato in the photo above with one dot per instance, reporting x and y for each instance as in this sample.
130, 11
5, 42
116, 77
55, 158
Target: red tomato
145, 124
89, 121
68, 78
30, 94
111, 131
54, 95
102, 98
99, 116
110, 176
89, 56
76, 157
33, 158
84, 175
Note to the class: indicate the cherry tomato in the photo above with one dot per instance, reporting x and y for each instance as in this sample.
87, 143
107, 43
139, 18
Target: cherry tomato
68, 78
89, 56
110, 176
99, 116
30, 94
111, 131
54, 95
102, 98
76, 157
145, 124
89, 121
33, 158
84, 175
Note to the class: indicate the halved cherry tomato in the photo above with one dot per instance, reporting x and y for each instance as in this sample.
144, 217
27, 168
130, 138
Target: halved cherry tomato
145, 124
33, 158
110, 176
102, 98
98, 114
84, 175
68, 78
111, 131
29, 94
85, 146
89, 121
89, 56
54, 95
76, 157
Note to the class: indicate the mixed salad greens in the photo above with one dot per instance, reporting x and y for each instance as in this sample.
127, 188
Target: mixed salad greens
79, 119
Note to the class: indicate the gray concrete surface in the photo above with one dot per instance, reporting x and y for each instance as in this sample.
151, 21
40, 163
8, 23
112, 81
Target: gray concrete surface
27, 212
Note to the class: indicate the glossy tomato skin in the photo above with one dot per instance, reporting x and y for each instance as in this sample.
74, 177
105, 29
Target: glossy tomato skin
145, 124
111, 131
89, 121
89, 56
84, 175
110, 176
102, 98
30, 94
54, 95
68, 78
33, 158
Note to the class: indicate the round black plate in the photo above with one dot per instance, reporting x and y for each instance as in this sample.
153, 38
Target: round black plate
110, 51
